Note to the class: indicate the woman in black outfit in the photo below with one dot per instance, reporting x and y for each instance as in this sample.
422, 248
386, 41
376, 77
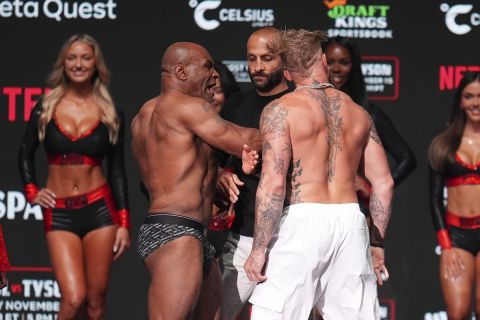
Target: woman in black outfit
454, 158
85, 215
344, 62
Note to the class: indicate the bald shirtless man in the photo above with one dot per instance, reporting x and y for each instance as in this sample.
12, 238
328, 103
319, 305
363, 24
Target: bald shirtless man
172, 140
308, 220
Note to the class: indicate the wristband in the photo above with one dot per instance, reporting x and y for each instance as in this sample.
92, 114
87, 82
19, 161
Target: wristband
444, 239
124, 218
31, 191
376, 244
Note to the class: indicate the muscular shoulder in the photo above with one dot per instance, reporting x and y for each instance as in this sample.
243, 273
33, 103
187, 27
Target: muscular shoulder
145, 112
274, 117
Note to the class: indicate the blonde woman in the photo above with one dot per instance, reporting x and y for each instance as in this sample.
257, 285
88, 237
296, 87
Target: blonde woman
85, 217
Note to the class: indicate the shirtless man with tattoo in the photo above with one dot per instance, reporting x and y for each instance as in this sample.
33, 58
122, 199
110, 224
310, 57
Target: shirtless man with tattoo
172, 140
311, 242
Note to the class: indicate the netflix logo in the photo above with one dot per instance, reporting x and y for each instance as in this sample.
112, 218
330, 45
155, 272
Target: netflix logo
17, 102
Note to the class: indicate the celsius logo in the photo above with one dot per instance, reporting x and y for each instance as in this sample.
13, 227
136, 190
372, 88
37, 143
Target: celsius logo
257, 17
451, 14
58, 9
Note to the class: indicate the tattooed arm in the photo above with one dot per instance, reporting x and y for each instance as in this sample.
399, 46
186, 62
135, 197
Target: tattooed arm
276, 154
378, 173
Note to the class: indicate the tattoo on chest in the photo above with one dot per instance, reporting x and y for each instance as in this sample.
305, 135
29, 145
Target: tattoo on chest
331, 109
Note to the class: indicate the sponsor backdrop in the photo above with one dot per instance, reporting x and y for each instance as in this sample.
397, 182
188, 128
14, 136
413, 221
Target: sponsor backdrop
414, 57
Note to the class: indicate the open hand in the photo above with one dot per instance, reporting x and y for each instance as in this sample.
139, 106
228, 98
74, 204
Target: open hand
122, 242
45, 197
228, 183
254, 265
451, 265
249, 159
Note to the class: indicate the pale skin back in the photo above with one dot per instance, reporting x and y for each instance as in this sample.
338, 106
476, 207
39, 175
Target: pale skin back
325, 131
172, 139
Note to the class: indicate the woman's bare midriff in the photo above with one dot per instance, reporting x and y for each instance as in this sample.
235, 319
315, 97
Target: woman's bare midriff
463, 200
72, 180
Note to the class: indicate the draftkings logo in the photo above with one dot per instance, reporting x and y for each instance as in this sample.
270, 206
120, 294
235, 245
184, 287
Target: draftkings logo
358, 21
58, 10
208, 16
459, 18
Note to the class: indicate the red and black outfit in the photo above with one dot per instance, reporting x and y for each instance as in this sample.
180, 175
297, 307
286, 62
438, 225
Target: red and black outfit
453, 230
107, 204
4, 263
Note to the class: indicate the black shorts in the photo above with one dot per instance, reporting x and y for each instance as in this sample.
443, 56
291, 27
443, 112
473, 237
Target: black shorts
82, 214
466, 239
160, 228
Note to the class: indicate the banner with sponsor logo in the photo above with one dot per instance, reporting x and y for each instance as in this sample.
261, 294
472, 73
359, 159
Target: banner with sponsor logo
413, 57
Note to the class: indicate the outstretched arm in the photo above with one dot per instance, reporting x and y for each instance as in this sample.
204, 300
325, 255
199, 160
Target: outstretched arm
276, 155
204, 121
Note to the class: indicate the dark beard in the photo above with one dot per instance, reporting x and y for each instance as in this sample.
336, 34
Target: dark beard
273, 80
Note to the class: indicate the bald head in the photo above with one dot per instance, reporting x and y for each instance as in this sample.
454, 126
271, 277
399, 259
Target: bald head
188, 68
265, 68
182, 53
262, 35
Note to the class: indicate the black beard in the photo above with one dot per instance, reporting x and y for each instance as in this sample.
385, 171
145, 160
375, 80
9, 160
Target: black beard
273, 80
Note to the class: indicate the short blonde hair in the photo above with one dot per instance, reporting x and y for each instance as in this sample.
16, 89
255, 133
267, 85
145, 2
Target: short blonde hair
299, 49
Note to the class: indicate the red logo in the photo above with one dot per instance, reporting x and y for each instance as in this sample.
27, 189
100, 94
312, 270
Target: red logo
21, 98
334, 3
450, 76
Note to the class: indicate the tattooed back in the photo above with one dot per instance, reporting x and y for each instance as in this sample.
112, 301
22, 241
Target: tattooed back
322, 134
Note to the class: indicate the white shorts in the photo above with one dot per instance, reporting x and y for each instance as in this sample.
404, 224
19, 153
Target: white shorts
319, 256
236, 286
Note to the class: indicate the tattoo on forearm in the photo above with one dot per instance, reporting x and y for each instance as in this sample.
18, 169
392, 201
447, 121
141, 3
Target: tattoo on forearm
331, 108
268, 210
380, 213
373, 130
276, 155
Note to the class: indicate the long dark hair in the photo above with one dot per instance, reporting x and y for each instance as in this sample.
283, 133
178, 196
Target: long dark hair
355, 85
443, 147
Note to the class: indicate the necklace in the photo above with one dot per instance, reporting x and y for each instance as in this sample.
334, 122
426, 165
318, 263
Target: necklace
317, 86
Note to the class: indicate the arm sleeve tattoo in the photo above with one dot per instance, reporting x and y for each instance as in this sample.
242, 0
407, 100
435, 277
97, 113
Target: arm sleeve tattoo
276, 155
